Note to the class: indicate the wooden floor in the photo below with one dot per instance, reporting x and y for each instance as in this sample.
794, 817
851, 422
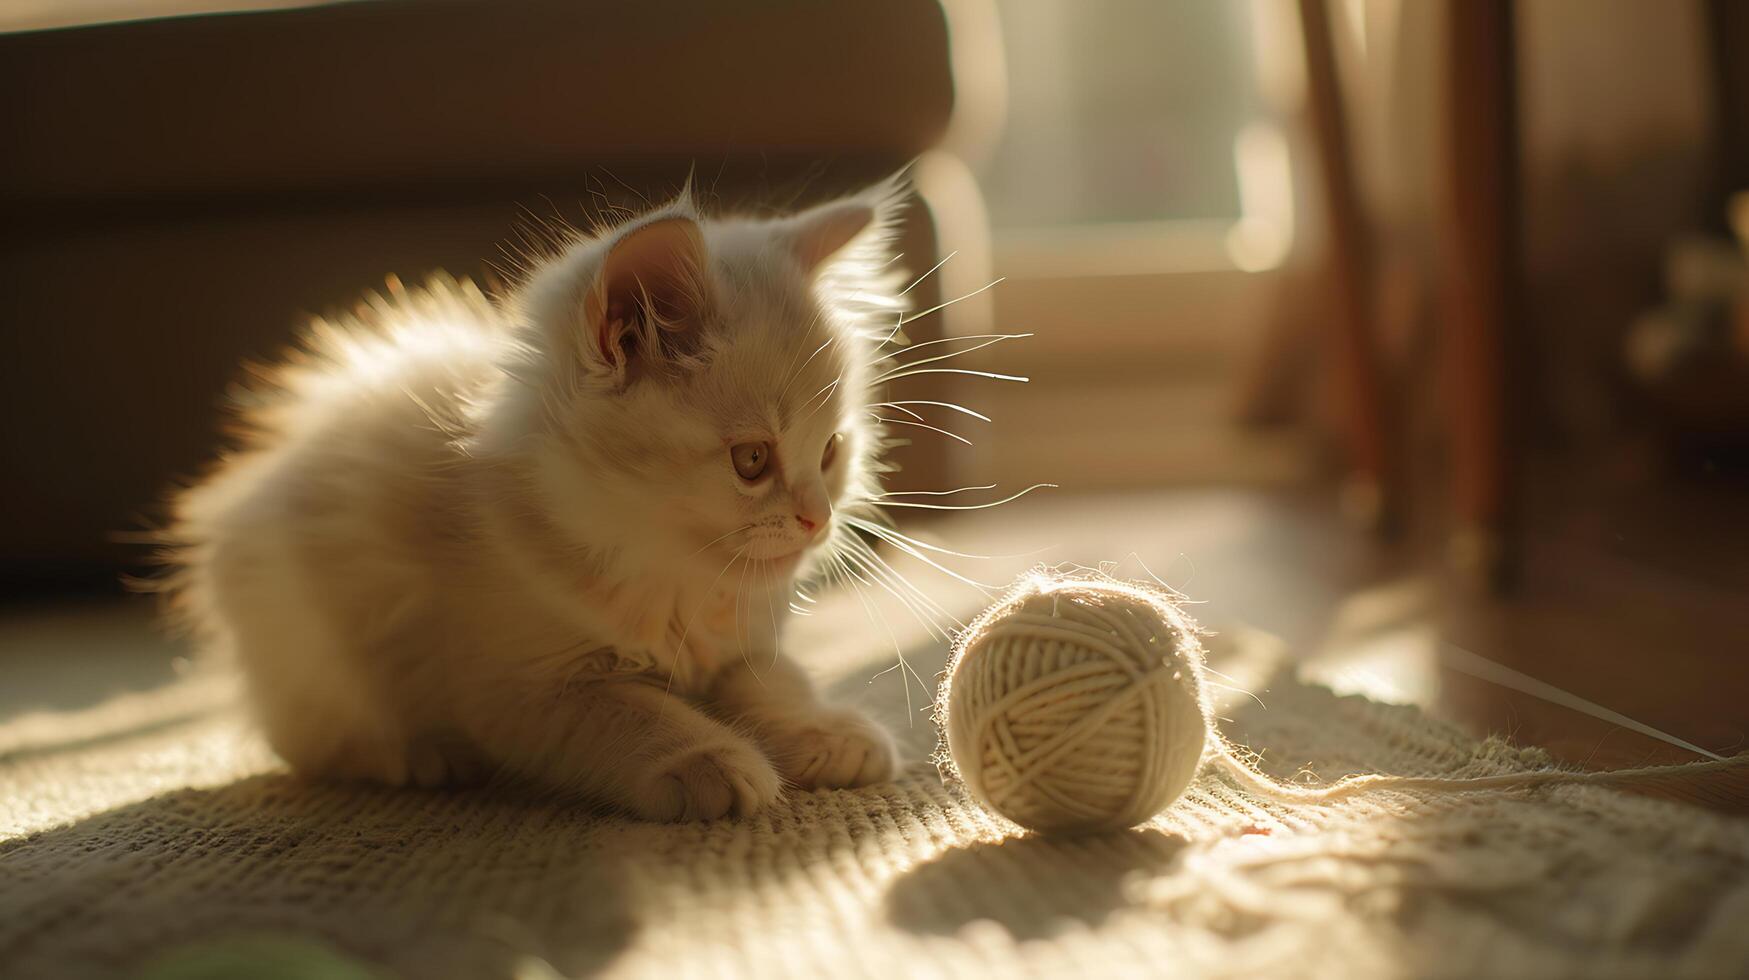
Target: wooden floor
1639, 603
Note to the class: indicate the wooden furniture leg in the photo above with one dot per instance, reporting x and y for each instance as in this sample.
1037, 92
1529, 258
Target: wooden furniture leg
1478, 224
1374, 491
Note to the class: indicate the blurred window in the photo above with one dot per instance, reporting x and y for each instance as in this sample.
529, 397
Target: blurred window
1140, 196
1140, 136
1121, 110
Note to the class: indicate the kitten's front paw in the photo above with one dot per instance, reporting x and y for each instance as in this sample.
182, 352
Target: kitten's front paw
832, 749
709, 783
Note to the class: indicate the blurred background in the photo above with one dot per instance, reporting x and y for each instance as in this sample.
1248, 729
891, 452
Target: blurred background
1412, 331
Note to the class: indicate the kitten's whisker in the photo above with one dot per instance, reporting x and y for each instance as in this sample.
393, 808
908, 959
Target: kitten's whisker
792, 370
993, 503
915, 401
707, 544
982, 374
956, 338
849, 577
895, 535
898, 325
915, 600
906, 366
931, 272
935, 610
913, 597
871, 609
795, 371
904, 546
680, 645
823, 401
923, 425
773, 613
912, 671
828, 386
899, 407
740, 592
942, 306
932, 493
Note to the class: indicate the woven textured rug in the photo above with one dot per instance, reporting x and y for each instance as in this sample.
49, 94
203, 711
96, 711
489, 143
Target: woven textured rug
156, 821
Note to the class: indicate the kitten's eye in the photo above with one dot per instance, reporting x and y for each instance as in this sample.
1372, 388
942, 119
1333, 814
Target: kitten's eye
750, 459
831, 451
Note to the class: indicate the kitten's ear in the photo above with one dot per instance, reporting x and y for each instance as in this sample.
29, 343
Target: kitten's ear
818, 235
648, 295
856, 231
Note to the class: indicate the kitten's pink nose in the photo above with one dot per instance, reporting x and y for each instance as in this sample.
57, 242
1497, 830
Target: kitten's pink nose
813, 508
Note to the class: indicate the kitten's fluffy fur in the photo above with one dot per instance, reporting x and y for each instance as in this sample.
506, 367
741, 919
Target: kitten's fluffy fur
470, 537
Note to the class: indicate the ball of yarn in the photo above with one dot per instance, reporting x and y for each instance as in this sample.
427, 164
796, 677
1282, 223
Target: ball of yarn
1075, 704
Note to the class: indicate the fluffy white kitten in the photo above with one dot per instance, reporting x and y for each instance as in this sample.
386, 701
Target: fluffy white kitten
553, 536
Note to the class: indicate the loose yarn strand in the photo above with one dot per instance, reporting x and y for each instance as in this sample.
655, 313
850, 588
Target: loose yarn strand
1077, 703
1677, 780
